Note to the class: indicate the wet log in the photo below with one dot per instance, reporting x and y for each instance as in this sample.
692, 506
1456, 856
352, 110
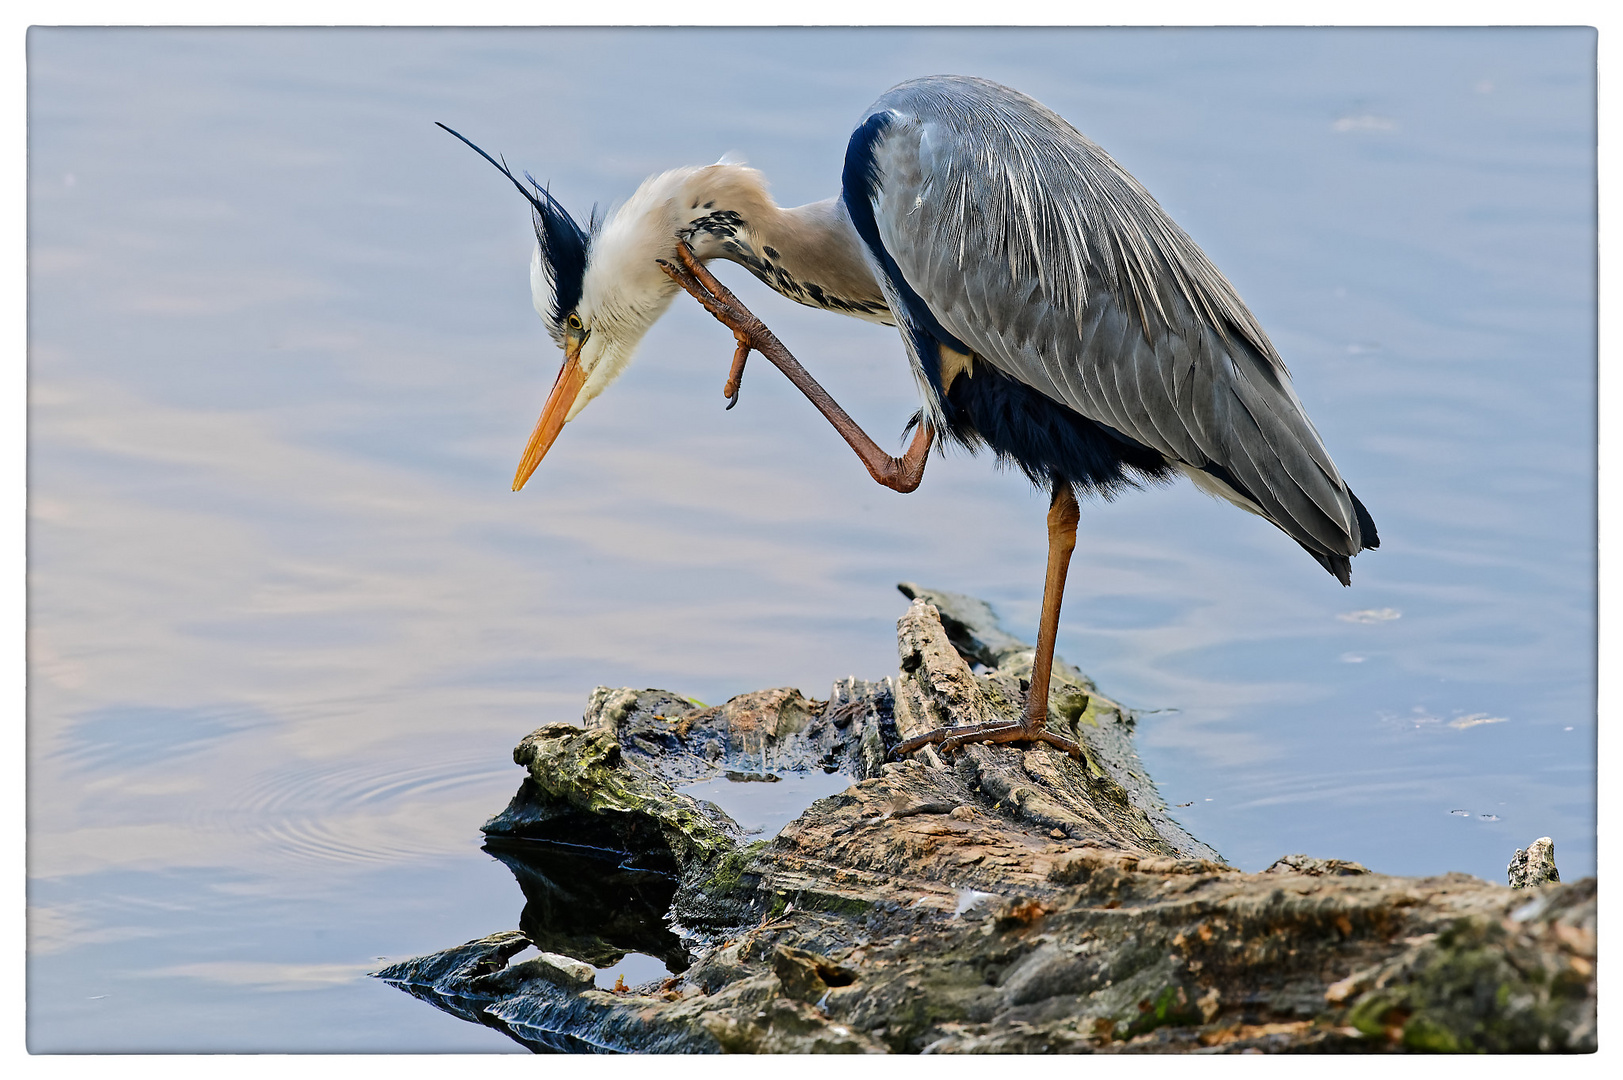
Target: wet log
1008, 900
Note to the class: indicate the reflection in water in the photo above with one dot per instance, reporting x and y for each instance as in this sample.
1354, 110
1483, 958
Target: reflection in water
597, 842
634, 969
592, 905
583, 903
763, 808
286, 620
481, 958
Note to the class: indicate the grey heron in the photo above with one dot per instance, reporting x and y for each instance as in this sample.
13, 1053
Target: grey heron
1051, 311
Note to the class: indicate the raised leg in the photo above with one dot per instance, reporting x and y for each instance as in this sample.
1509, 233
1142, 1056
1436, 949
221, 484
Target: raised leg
900, 474
1062, 519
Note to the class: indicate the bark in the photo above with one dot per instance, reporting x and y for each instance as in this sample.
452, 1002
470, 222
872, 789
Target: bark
1009, 900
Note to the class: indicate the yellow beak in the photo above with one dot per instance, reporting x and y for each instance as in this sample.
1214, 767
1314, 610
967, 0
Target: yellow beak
564, 392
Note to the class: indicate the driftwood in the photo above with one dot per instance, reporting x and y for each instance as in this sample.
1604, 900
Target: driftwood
1008, 900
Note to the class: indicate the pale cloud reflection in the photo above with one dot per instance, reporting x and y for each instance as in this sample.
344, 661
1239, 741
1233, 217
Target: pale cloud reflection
54, 928
269, 976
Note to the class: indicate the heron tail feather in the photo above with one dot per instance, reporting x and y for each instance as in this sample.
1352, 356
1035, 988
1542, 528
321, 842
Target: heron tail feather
1366, 524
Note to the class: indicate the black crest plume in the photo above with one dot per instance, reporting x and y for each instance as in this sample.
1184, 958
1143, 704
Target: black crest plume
563, 242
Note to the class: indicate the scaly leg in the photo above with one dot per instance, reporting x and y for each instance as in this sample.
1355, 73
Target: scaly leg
1062, 519
900, 474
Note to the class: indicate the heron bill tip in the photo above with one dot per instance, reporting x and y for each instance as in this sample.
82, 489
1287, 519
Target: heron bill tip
571, 377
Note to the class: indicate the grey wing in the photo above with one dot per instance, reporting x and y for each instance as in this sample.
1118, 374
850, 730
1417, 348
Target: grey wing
1050, 262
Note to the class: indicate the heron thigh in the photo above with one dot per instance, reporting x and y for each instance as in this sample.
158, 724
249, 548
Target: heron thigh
953, 363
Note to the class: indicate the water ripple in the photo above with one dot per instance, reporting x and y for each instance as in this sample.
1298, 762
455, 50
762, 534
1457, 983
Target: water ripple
371, 811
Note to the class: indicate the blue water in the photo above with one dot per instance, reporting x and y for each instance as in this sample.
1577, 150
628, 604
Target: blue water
287, 621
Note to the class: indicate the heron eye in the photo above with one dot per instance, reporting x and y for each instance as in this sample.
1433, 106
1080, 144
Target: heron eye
574, 322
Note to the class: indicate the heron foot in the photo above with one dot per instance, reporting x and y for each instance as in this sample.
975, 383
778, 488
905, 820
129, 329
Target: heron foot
693, 276
899, 474
719, 300
951, 738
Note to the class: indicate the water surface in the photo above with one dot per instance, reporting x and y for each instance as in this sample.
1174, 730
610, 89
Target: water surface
287, 621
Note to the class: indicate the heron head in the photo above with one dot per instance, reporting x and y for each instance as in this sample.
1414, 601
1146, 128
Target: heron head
598, 290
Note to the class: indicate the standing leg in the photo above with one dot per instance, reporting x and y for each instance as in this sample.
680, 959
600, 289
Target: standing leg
1062, 518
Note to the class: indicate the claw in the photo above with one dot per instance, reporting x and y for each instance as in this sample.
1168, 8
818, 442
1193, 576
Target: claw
735, 376
953, 738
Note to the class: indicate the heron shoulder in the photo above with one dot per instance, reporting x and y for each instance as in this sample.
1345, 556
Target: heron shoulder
972, 174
